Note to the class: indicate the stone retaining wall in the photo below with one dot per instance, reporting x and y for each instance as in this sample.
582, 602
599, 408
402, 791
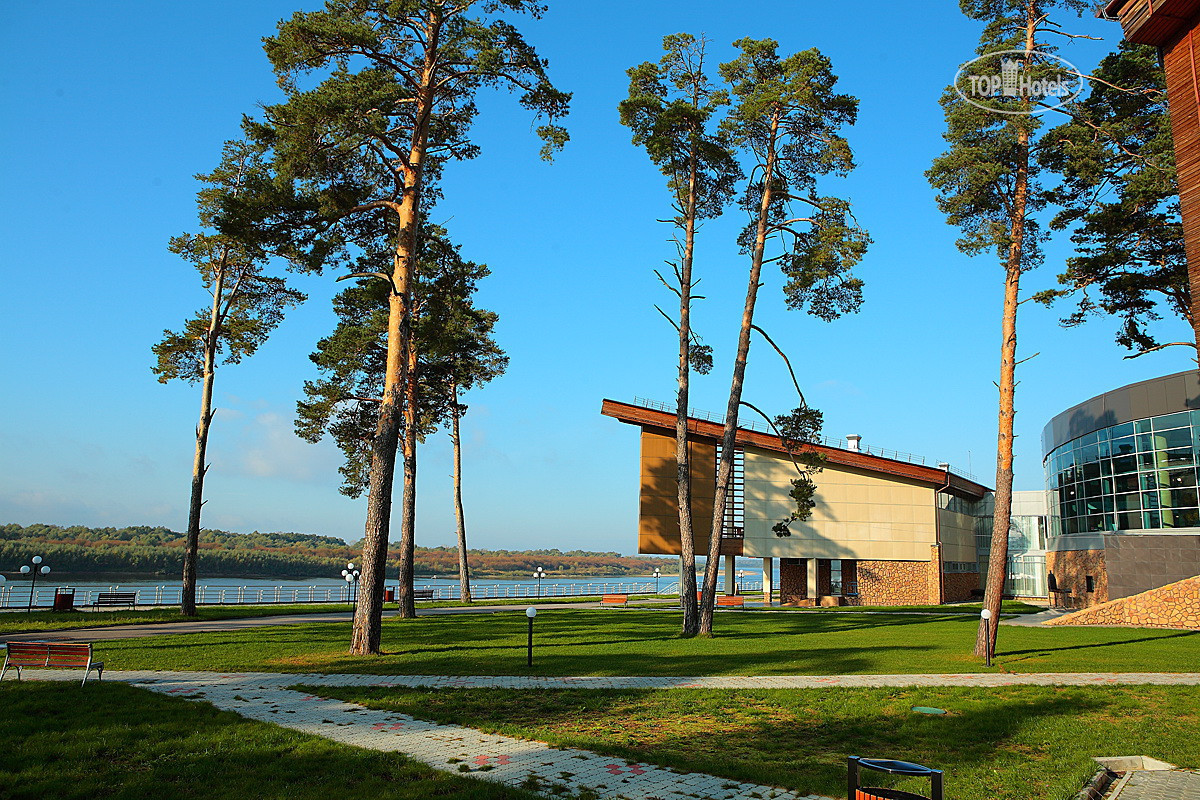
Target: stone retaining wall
1176, 605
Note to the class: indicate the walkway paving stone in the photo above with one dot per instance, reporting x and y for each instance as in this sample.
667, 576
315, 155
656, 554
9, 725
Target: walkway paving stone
1158, 785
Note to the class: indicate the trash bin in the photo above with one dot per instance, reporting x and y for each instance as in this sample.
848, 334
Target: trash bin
856, 791
389, 595
64, 598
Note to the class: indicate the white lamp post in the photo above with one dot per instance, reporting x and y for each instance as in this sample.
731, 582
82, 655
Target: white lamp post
985, 622
539, 573
34, 571
350, 574
656, 574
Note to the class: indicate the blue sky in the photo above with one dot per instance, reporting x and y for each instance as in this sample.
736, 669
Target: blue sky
111, 110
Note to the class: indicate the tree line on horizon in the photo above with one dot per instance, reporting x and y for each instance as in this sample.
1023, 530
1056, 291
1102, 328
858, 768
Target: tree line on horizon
157, 550
379, 100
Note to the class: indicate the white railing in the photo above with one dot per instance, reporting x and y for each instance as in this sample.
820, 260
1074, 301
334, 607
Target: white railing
15, 595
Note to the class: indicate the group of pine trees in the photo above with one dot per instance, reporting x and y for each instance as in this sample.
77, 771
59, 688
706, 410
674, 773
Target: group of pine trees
379, 100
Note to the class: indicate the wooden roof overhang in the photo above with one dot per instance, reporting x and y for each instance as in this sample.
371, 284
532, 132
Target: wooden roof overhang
1154, 22
943, 480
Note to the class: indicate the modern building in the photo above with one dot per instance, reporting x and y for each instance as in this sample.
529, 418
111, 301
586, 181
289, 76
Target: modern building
1121, 472
887, 528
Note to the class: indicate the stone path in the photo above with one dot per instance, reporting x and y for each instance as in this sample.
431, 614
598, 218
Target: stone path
1158, 785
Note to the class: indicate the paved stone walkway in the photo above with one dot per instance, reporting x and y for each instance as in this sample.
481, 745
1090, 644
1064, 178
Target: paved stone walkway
1158, 785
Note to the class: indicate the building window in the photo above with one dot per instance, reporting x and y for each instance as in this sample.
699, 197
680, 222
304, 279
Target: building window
1091, 584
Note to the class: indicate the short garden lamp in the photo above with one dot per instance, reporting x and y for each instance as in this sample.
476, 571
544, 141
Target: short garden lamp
737, 588
539, 573
351, 576
530, 612
34, 571
985, 626
656, 574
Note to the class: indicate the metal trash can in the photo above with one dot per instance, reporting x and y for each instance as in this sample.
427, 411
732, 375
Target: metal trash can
389, 595
856, 791
64, 598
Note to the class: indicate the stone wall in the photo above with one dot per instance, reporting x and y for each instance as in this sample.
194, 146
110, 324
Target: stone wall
959, 585
1176, 605
793, 580
894, 583
1071, 569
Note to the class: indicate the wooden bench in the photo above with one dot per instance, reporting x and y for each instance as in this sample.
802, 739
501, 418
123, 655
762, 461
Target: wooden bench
51, 655
115, 599
731, 601
422, 594
614, 600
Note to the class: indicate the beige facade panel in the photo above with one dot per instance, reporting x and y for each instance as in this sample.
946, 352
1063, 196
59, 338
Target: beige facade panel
958, 535
859, 515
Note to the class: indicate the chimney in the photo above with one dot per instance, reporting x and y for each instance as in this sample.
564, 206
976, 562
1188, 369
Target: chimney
852, 441
944, 466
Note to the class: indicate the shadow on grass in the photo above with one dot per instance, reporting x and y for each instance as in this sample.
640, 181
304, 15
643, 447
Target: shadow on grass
1091, 645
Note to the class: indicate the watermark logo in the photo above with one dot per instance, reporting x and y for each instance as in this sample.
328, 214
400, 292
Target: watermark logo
1018, 82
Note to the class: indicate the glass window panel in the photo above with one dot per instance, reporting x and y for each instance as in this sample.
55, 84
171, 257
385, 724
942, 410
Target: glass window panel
1178, 477
1145, 442
1106, 467
1110, 522
1071, 525
1090, 453
1054, 480
1117, 431
1108, 503
1174, 458
1122, 446
1091, 489
1180, 518
1123, 464
1142, 425
1129, 502
1129, 522
1066, 493
1149, 499
1093, 505
1105, 448
1195, 418
1127, 483
1150, 519
1177, 498
1090, 438
1149, 461
1091, 471
1070, 509
1106, 485
1094, 523
1171, 421
1180, 437
1149, 480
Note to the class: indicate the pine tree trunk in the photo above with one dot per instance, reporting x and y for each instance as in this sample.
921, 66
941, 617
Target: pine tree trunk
191, 549
464, 572
368, 614
687, 534
998, 558
725, 467
408, 513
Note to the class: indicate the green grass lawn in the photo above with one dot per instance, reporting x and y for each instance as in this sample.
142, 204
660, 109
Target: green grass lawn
1013, 743
1006, 607
108, 740
646, 642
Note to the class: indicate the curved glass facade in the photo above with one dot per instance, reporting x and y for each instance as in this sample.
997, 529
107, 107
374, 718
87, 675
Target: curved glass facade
1133, 476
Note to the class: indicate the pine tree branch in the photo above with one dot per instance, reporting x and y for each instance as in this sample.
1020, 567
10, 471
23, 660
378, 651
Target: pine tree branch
782, 355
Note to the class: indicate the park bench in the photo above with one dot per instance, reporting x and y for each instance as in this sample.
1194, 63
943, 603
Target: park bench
115, 599
731, 601
422, 594
51, 655
614, 600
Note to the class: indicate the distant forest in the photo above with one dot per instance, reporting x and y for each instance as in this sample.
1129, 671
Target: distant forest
157, 551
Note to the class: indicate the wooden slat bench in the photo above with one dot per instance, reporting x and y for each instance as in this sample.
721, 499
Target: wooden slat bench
422, 594
51, 655
731, 601
115, 599
614, 600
